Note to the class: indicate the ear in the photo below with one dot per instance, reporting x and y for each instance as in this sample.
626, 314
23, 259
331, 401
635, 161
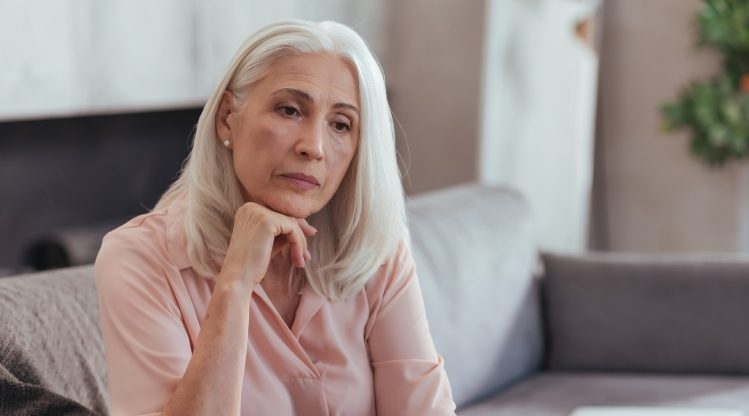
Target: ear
224, 115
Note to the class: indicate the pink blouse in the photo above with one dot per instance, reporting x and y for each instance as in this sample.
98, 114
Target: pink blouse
372, 354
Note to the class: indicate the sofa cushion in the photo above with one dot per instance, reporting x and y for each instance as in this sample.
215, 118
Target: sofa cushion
648, 313
51, 350
558, 394
475, 258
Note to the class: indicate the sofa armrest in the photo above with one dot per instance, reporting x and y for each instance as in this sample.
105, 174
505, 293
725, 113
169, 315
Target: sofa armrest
647, 313
51, 350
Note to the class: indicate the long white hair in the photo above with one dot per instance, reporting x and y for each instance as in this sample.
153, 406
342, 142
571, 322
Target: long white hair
363, 223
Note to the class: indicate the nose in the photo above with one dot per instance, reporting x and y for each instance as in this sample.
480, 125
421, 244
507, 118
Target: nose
310, 144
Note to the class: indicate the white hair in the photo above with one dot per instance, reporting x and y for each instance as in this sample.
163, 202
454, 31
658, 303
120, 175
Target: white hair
363, 223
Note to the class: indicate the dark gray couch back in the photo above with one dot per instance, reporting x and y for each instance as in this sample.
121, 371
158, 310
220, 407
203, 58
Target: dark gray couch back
648, 313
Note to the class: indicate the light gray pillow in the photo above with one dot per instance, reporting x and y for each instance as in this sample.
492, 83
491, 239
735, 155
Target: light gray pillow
475, 258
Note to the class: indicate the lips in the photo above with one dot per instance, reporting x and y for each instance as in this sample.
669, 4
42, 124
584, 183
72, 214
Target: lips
301, 180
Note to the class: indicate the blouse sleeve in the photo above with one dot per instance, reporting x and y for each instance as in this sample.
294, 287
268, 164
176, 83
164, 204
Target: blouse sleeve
409, 375
146, 344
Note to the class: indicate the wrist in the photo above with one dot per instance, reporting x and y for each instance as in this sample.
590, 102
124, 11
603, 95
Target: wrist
234, 280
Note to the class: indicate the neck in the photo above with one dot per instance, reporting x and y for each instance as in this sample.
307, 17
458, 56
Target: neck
279, 272
280, 265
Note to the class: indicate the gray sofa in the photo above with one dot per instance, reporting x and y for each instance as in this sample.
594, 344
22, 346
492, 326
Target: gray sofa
521, 334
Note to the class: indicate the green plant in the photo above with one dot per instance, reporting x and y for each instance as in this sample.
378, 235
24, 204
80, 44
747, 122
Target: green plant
717, 111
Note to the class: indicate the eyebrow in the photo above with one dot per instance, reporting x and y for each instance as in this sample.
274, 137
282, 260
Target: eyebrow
306, 97
349, 106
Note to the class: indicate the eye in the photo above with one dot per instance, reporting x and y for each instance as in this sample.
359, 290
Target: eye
340, 127
289, 111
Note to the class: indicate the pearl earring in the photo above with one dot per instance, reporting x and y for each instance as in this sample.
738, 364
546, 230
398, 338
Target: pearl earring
226, 143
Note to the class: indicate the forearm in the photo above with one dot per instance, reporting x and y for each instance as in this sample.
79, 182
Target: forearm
212, 383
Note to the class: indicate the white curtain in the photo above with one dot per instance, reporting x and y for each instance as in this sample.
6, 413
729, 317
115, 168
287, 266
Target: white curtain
538, 113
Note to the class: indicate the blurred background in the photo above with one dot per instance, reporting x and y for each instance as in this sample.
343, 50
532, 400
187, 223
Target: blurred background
560, 99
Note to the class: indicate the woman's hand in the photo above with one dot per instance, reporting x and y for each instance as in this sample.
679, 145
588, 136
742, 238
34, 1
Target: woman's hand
259, 234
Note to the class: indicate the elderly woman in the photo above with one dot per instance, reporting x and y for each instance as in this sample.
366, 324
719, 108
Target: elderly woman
274, 277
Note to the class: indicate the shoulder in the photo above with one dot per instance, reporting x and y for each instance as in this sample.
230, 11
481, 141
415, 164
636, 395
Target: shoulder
143, 235
394, 298
134, 259
397, 272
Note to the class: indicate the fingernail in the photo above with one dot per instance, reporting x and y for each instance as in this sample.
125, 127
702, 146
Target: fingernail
307, 256
314, 229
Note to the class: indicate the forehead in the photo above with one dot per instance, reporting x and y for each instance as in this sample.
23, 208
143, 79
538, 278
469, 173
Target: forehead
315, 74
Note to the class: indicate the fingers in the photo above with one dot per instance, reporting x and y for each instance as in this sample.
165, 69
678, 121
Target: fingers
296, 232
286, 231
307, 229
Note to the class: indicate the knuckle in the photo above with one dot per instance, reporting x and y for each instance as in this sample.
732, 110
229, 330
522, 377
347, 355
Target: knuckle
245, 209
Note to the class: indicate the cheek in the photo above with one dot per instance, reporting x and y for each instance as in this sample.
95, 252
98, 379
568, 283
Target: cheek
260, 146
278, 130
271, 138
339, 159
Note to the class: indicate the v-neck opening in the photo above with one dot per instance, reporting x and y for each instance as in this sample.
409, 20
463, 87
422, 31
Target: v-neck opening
309, 304
269, 304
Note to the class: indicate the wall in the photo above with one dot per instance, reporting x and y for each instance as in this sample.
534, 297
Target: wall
72, 57
433, 75
650, 194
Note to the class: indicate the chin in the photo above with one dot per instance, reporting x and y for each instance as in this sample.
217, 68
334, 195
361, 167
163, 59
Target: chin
293, 205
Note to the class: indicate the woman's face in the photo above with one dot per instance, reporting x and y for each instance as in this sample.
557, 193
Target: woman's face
294, 139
